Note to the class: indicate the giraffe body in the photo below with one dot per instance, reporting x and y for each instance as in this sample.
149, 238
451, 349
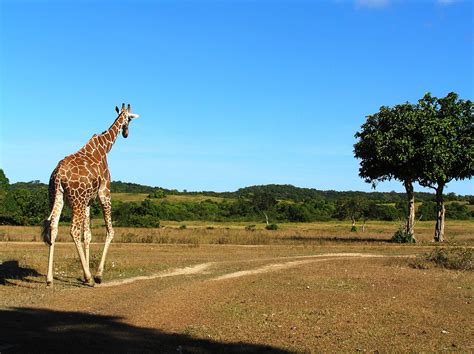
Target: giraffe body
78, 180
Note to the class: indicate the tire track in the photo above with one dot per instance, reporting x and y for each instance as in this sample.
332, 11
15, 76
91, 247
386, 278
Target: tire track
196, 269
203, 267
286, 265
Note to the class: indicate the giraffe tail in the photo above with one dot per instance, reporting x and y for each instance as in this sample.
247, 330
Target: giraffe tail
56, 205
46, 231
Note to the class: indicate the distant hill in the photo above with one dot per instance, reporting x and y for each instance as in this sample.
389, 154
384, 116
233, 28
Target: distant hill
277, 191
290, 192
31, 186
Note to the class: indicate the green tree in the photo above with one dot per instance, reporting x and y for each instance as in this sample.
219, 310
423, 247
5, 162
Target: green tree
353, 209
446, 135
387, 149
4, 182
263, 202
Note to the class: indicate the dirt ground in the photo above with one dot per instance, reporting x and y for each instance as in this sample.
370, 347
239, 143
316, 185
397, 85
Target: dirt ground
230, 298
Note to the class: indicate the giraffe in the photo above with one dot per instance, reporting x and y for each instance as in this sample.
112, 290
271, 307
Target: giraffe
79, 179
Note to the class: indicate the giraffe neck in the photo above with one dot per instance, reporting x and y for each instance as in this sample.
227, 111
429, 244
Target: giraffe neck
99, 145
107, 139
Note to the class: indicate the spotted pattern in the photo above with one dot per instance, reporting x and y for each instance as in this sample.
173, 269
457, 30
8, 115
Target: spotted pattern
79, 179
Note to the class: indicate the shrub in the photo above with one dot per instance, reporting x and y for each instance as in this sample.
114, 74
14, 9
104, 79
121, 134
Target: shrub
251, 227
158, 194
383, 212
451, 258
457, 211
183, 227
427, 210
271, 227
403, 236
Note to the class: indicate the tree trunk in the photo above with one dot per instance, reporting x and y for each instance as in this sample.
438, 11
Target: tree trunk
440, 212
266, 217
354, 227
411, 209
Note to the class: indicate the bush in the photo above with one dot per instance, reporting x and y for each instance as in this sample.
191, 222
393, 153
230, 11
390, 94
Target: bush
427, 210
158, 194
403, 236
141, 221
451, 258
383, 212
271, 227
183, 227
457, 211
251, 227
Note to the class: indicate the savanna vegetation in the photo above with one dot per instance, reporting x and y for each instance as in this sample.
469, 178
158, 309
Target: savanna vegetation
27, 204
430, 143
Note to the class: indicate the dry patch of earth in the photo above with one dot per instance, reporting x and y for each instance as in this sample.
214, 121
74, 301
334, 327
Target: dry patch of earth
171, 298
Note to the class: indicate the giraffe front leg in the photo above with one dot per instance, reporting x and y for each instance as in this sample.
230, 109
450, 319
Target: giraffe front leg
107, 210
87, 234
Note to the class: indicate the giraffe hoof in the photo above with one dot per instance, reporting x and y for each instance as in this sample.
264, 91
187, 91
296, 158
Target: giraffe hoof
88, 282
98, 279
49, 284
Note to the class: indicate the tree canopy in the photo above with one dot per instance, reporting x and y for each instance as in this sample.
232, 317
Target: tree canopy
431, 142
387, 145
4, 182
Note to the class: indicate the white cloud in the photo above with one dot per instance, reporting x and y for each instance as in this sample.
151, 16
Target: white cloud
373, 4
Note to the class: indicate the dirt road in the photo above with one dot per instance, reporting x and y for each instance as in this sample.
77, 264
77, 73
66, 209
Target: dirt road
235, 299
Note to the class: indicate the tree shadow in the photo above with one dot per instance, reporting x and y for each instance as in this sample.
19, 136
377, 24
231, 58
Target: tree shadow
27, 330
11, 270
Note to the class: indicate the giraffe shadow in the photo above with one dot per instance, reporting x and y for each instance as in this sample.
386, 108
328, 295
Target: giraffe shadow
26, 330
11, 270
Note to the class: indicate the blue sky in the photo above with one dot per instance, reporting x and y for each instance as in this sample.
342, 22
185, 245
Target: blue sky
230, 93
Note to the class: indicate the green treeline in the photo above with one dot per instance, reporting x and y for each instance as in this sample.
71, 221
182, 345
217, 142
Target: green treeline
27, 204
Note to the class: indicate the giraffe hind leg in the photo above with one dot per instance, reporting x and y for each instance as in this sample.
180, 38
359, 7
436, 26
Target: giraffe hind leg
87, 234
50, 232
77, 223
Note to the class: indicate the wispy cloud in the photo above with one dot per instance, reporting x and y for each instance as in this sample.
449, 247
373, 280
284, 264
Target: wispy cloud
373, 4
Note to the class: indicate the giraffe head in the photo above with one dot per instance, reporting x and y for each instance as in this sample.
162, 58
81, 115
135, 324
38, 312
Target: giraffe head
126, 115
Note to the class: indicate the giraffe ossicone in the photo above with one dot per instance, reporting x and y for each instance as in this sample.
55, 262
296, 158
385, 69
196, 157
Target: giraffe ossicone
79, 179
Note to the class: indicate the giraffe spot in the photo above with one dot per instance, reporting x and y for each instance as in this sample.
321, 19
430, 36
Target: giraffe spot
96, 155
83, 173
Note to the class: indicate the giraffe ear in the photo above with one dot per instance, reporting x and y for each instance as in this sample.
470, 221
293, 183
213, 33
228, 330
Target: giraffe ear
116, 109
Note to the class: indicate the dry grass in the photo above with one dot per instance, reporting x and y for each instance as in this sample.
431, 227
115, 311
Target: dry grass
196, 233
333, 305
129, 197
139, 197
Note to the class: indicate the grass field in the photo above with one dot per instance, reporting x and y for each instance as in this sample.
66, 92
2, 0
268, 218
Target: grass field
221, 288
139, 197
198, 232
270, 298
